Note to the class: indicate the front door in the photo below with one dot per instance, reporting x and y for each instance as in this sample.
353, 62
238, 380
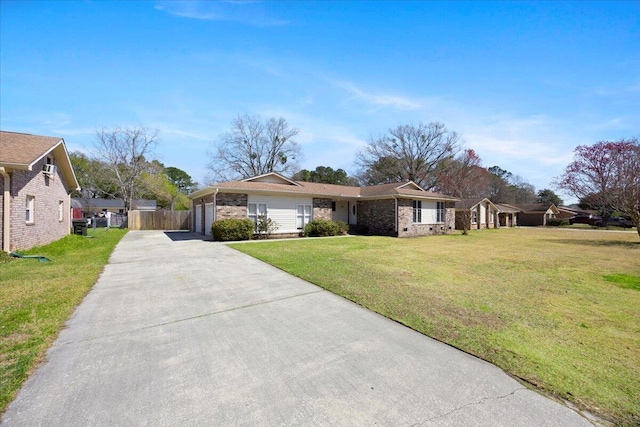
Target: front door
353, 213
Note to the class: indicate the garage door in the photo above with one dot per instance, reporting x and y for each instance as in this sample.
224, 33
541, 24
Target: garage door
198, 209
208, 218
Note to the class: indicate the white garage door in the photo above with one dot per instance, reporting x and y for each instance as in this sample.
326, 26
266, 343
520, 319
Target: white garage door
198, 209
208, 218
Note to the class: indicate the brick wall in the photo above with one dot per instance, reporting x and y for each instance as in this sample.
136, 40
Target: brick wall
227, 205
322, 208
48, 192
378, 216
406, 227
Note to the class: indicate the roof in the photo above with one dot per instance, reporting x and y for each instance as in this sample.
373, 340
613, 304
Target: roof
470, 203
536, 208
22, 151
505, 208
274, 183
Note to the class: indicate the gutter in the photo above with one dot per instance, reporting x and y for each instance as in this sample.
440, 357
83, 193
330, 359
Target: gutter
6, 211
215, 204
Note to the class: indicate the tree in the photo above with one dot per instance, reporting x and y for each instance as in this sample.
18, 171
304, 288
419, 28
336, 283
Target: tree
254, 147
523, 192
94, 177
408, 152
499, 189
465, 178
548, 197
325, 175
181, 179
607, 174
123, 150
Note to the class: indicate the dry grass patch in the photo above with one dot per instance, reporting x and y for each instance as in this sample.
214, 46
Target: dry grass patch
557, 308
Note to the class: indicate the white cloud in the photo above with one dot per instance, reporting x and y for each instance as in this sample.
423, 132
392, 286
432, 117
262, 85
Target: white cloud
244, 12
379, 100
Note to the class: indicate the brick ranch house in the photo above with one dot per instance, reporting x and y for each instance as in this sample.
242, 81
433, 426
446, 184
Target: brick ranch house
36, 178
397, 209
536, 214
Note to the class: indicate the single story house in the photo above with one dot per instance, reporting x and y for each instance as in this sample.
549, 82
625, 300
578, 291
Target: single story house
36, 178
396, 209
536, 214
508, 215
478, 213
91, 206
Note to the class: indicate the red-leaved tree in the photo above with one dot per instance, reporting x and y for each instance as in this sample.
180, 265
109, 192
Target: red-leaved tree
465, 178
608, 175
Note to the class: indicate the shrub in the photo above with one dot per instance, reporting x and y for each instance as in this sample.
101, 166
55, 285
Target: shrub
557, 222
324, 227
232, 229
265, 227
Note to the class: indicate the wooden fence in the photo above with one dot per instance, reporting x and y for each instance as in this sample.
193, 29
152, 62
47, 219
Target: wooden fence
159, 220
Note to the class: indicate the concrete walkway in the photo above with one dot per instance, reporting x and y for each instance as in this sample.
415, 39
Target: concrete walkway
184, 332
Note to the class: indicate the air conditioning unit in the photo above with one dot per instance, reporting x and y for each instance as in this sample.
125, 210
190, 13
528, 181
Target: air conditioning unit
49, 169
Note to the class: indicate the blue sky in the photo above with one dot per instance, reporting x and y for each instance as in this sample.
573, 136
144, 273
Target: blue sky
524, 83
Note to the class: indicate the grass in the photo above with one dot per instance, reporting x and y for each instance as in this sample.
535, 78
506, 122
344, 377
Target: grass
38, 297
559, 309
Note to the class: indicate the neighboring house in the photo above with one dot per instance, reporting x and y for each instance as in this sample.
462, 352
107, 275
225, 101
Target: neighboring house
36, 178
536, 214
508, 215
397, 209
480, 213
96, 206
567, 212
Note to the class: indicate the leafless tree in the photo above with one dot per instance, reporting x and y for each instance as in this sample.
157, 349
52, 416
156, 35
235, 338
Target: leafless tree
408, 152
124, 151
253, 147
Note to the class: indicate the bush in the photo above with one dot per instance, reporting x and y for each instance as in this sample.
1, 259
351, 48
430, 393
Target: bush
265, 227
324, 227
232, 229
557, 222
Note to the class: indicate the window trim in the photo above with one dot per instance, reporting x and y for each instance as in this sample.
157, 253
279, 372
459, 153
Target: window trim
441, 213
306, 218
417, 211
60, 210
474, 216
30, 208
258, 213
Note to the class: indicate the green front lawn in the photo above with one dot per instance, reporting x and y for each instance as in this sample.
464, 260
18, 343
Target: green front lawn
36, 298
557, 308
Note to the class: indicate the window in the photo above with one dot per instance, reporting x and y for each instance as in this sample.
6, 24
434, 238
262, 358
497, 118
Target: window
333, 206
417, 211
60, 210
440, 213
256, 210
474, 216
29, 209
303, 215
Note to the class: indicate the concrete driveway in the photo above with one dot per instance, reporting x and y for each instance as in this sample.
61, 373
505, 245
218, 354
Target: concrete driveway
184, 332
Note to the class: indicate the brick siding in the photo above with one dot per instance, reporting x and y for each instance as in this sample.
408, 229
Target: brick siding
322, 208
377, 216
48, 193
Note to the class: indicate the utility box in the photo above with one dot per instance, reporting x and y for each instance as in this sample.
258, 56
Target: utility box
80, 227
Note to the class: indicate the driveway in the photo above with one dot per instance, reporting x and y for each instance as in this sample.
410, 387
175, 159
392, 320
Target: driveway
184, 332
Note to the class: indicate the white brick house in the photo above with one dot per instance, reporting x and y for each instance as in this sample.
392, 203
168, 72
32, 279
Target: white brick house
36, 178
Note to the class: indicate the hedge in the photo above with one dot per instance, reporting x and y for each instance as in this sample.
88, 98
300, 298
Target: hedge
324, 227
232, 229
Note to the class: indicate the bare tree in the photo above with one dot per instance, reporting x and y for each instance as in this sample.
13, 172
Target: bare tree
254, 147
124, 151
465, 178
408, 152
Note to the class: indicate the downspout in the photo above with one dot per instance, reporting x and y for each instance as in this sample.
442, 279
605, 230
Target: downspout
6, 211
215, 204
395, 199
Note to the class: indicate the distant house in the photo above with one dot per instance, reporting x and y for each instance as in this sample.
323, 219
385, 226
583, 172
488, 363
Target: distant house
91, 206
401, 209
478, 213
536, 214
36, 178
508, 216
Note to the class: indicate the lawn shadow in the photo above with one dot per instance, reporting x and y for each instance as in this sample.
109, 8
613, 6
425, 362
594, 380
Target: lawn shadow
182, 235
596, 243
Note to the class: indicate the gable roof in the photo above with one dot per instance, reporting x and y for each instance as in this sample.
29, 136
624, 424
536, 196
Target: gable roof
22, 151
275, 183
506, 208
537, 208
473, 202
